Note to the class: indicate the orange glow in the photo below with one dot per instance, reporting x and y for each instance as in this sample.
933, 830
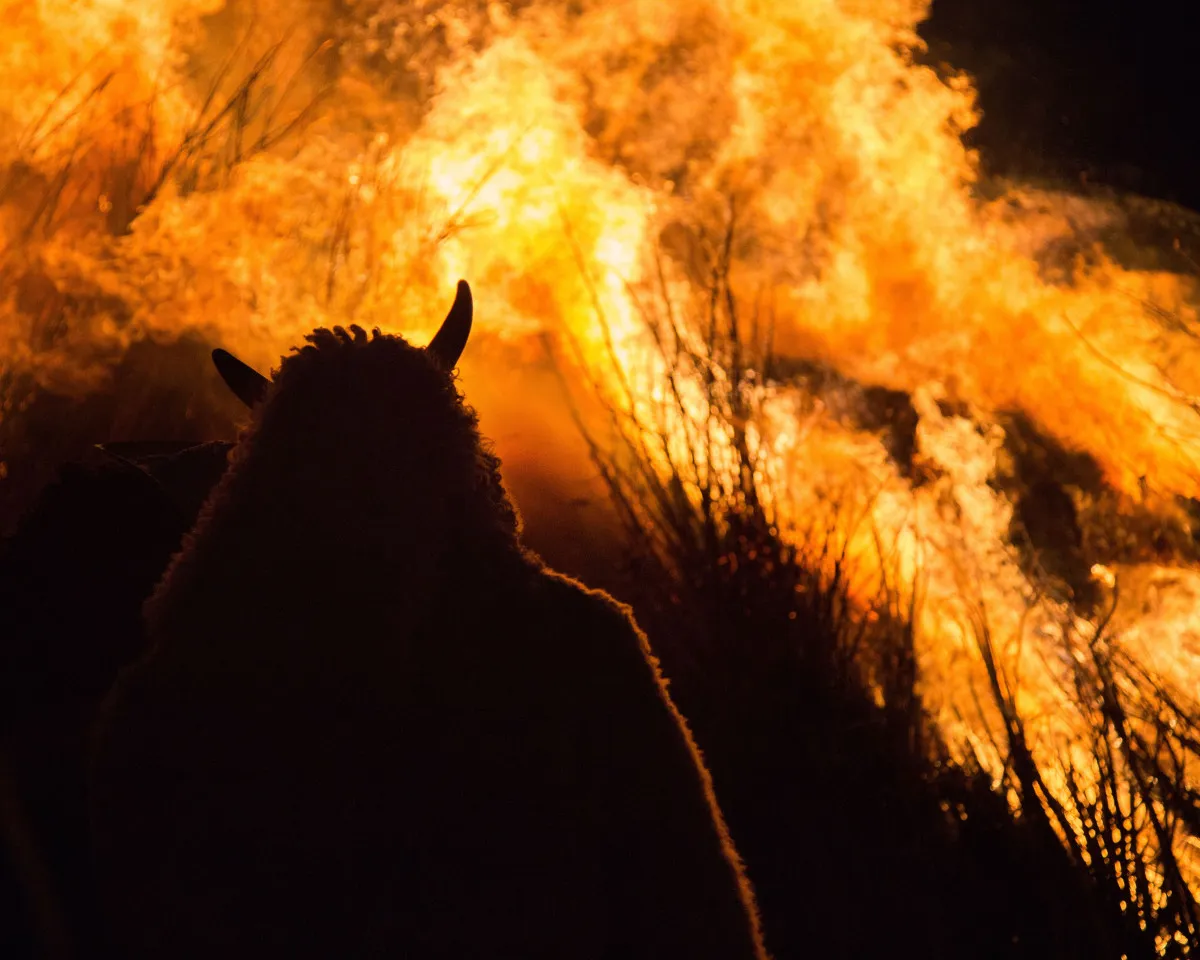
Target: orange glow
547, 157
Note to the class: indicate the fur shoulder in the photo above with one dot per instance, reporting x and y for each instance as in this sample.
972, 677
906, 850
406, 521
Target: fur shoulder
578, 603
654, 785
578, 597
602, 630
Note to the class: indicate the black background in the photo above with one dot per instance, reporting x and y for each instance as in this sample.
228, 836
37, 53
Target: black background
1109, 92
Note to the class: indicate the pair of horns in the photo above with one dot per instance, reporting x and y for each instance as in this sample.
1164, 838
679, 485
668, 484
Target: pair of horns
446, 347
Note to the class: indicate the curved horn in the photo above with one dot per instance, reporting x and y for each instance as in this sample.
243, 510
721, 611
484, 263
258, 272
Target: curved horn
249, 385
447, 344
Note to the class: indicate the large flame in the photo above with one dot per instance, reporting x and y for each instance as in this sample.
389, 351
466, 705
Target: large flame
251, 171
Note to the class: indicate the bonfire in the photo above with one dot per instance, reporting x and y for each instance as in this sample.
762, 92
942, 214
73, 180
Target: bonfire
745, 301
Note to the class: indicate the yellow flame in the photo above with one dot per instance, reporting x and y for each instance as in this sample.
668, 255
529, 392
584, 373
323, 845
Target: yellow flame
547, 154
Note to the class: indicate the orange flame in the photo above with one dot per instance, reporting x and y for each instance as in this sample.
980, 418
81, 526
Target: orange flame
545, 155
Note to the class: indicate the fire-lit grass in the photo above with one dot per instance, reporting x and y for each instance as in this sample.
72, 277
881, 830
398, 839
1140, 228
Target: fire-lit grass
867, 431
843, 792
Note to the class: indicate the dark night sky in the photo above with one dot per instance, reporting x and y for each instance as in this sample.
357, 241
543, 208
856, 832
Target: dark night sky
1110, 89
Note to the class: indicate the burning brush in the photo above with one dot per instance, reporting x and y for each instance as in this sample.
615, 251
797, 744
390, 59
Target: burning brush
797, 324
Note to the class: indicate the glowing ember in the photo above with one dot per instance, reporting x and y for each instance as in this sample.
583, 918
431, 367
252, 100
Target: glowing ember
155, 182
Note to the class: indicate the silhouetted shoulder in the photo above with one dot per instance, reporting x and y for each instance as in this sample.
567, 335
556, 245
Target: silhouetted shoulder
580, 603
675, 878
603, 631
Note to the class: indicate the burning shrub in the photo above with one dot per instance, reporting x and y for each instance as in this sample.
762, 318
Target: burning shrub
801, 678
910, 395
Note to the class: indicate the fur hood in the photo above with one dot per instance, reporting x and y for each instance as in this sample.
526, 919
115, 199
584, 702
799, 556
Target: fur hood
363, 471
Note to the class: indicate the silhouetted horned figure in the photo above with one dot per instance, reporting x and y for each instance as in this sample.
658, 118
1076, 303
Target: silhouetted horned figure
370, 723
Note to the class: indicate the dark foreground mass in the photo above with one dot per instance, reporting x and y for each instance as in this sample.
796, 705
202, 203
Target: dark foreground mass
370, 722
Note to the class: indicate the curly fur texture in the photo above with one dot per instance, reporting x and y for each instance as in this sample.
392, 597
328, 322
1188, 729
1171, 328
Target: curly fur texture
372, 724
